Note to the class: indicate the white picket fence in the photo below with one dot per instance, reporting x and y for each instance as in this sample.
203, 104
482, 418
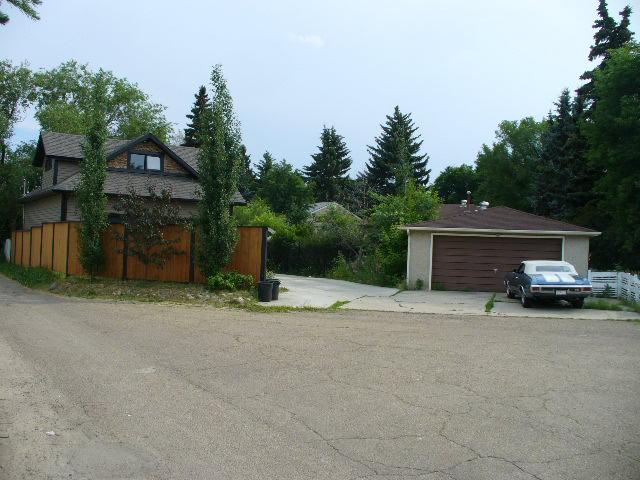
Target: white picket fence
621, 284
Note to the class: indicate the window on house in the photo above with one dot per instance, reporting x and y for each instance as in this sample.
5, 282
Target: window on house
47, 164
138, 161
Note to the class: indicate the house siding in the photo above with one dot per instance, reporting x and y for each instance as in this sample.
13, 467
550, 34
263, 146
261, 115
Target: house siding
47, 175
66, 169
186, 209
170, 165
419, 258
576, 252
45, 209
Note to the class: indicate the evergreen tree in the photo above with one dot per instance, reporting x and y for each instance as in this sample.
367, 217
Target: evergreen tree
556, 160
218, 166
28, 7
264, 166
247, 177
328, 171
92, 201
283, 188
609, 36
395, 157
199, 106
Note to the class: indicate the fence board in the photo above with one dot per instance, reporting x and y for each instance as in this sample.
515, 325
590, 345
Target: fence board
46, 257
177, 267
60, 246
26, 248
114, 263
73, 263
18, 260
13, 246
36, 245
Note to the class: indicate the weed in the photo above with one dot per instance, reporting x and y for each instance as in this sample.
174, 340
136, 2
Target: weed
29, 276
490, 304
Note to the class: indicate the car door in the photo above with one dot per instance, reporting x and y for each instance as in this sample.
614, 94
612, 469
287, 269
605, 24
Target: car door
518, 276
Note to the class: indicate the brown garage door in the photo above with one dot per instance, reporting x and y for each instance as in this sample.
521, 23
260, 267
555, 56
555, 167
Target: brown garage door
480, 263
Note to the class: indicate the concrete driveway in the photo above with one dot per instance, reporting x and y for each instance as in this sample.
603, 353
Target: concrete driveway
324, 292
150, 391
473, 303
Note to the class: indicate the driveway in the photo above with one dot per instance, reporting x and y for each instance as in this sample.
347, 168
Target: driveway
103, 390
323, 292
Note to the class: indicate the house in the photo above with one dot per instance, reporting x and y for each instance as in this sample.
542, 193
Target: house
319, 208
131, 164
471, 248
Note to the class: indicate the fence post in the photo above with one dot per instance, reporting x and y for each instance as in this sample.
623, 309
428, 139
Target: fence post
619, 284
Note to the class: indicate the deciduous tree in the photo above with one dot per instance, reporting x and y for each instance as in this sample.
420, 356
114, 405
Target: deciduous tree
64, 103
453, 183
91, 199
218, 167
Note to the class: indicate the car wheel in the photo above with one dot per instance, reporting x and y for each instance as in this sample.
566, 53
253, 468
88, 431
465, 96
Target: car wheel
526, 302
510, 294
577, 303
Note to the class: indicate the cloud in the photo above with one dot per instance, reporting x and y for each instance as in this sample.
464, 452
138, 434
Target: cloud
306, 39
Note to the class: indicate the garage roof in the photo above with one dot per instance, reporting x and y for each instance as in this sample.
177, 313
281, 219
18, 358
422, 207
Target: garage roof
499, 219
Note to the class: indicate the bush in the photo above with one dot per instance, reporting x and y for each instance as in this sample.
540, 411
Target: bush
229, 281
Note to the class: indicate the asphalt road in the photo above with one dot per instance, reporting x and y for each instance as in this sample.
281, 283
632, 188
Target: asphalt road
172, 392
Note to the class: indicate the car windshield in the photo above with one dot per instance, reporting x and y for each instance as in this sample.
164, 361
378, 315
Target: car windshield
553, 268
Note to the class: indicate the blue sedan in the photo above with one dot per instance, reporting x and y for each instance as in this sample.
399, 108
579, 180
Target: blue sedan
547, 280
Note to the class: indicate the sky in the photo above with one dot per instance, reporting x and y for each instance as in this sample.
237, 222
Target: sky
295, 66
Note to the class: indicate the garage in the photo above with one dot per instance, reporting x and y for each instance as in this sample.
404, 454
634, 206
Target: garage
471, 247
479, 263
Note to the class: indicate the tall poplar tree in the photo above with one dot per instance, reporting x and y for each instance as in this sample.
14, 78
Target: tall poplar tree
92, 201
218, 167
395, 157
195, 117
329, 170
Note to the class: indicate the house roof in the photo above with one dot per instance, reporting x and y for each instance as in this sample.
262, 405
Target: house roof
318, 207
120, 183
68, 145
499, 219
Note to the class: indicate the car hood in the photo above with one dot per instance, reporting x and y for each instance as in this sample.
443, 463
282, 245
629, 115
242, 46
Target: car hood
558, 279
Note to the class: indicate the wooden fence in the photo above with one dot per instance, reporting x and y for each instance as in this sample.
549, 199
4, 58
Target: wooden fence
55, 246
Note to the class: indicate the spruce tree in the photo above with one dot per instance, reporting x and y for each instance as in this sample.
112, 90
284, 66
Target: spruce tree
218, 165
199, 106
609, 35
264, 166
247, 177
92, 201
328, 172
396, 157
555, 166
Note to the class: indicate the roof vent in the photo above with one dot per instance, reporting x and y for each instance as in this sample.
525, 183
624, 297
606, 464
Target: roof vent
484, 205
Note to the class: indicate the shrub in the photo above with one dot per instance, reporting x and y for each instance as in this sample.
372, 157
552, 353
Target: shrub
229, 281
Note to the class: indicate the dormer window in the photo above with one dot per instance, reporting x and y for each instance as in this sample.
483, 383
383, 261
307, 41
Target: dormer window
145, 162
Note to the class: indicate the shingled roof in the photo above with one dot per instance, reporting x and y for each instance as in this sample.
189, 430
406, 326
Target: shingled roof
498, 219
68, 145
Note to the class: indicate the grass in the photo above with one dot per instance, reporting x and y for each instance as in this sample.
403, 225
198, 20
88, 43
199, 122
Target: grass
619, 305
490, 304
29, 277
144, 291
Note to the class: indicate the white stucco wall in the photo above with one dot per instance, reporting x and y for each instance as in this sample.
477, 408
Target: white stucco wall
576, 252
419, 258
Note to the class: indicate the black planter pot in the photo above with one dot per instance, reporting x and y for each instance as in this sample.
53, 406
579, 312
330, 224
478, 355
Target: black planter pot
265, 291
276, 288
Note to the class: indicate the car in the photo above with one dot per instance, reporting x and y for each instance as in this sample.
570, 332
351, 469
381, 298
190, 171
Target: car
547, 280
